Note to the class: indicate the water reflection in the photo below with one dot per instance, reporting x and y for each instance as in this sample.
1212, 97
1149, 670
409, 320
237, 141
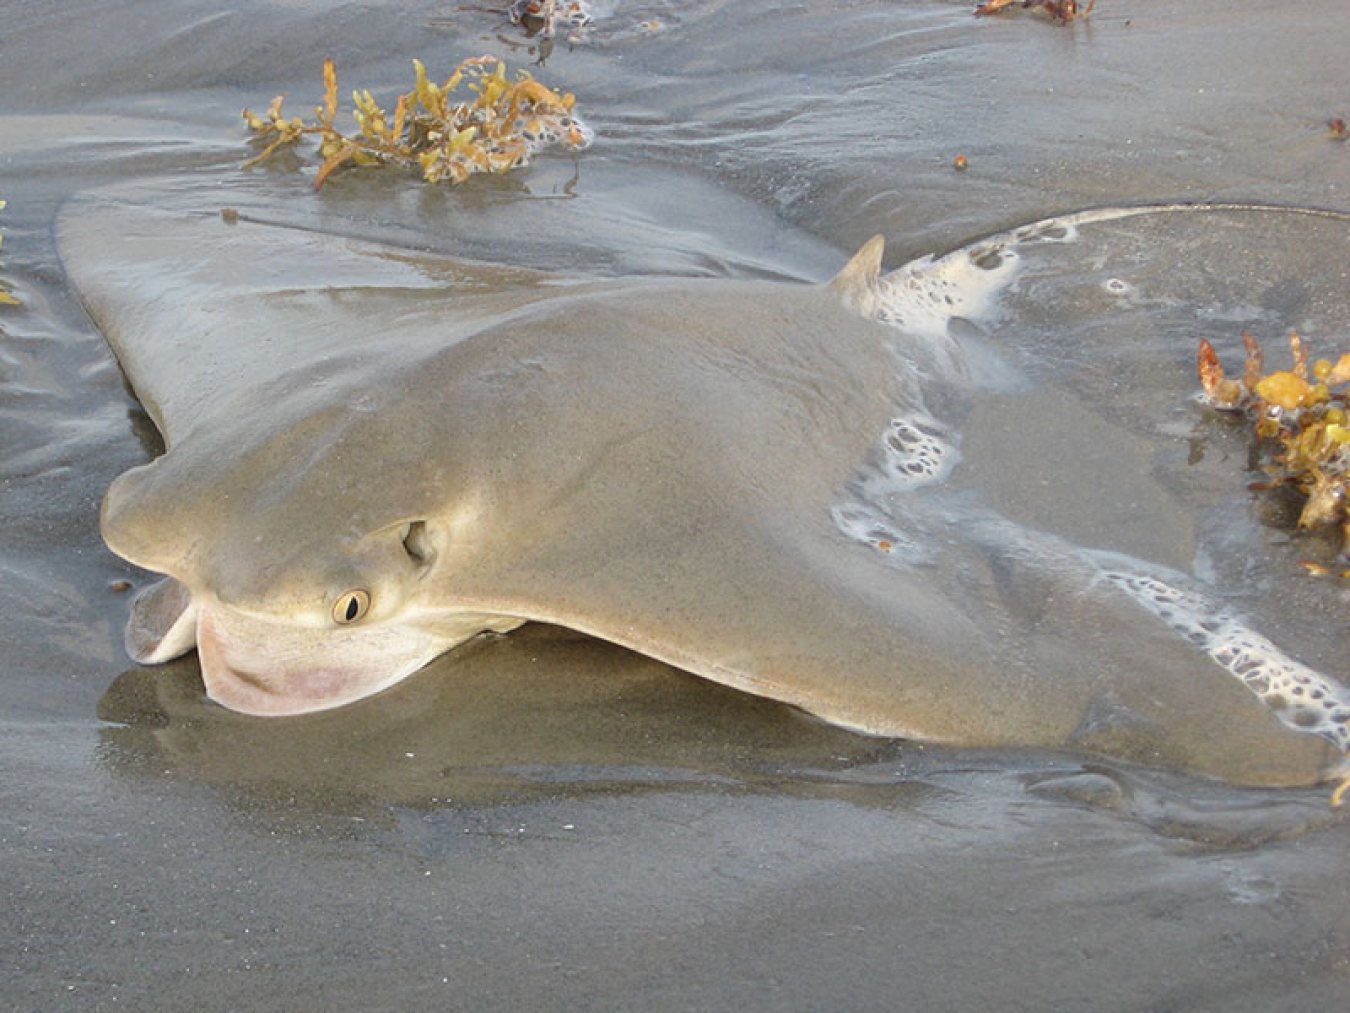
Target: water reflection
546, 714
540, 711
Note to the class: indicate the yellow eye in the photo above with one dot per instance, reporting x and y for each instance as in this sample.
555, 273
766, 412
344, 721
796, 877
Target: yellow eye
350, 607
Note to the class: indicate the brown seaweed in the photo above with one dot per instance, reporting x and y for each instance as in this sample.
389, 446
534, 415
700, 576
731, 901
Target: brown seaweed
433, 128
1299, 416
1060, 11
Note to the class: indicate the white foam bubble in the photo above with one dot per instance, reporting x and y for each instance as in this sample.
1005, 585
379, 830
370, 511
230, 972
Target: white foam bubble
1303, 698
864, 523
925, 295
1119, 287
915, 451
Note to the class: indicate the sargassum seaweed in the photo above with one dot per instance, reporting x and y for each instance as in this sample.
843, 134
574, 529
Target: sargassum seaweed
497, 127
1301, 413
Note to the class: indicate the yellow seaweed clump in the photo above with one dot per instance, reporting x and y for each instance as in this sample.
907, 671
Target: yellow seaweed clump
6, 298
1303, 414
446, 136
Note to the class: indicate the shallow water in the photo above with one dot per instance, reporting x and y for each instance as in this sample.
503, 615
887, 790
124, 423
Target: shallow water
593, 829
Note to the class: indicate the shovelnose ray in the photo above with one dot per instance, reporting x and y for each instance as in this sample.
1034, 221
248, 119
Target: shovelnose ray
799, 490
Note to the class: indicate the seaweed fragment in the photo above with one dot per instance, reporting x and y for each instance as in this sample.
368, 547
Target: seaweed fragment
1061, 12
6, 298
542, 17
496, 128
1300, 419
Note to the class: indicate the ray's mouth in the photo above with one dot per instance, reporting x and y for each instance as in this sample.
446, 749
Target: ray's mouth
250, 689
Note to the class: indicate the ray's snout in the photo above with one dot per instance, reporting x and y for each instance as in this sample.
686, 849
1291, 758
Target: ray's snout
269, 670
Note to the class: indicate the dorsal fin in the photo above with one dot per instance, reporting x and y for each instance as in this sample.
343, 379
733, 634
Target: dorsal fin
856, 284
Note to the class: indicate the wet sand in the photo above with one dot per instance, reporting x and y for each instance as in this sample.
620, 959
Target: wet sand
590, 829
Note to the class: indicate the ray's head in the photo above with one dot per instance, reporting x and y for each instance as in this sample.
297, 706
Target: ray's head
309, 589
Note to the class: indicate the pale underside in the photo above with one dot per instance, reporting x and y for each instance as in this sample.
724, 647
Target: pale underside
697, 470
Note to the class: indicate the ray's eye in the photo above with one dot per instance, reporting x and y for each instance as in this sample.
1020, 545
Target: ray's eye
351, 606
